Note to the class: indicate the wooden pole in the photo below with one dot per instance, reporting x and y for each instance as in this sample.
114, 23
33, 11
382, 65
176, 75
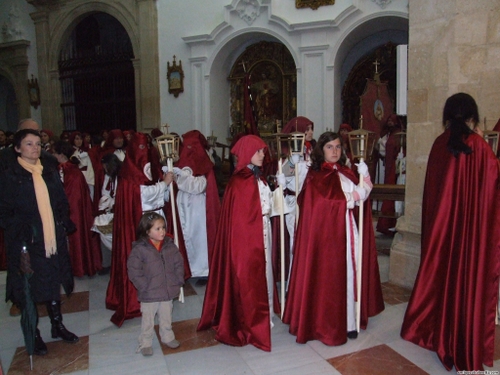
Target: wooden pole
282, 239
170, 165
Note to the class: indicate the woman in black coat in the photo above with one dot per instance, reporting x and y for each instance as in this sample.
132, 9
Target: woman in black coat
34, 212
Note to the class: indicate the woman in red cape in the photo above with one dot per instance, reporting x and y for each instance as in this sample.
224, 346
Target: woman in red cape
320, 301
84, 246
236, 301
453, 305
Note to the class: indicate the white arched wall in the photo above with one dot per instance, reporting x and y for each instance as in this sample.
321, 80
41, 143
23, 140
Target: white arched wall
319, 48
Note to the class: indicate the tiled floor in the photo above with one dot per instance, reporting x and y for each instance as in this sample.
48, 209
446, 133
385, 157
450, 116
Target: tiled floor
106, 349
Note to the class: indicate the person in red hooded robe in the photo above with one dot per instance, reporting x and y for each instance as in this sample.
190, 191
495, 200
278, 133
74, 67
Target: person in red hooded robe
291, 165
84, 246
454, 300
81, 152
239, 296
141, 188
197, 200
322, 291
115, 143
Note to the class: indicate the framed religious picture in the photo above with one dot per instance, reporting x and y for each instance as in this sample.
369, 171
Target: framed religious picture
313, 4
34, 92
175, 78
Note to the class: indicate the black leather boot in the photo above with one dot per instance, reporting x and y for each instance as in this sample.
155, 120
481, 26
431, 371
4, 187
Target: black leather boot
40, 347
58, 328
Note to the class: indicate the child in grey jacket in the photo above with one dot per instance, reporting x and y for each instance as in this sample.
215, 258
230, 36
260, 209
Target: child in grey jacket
156, 268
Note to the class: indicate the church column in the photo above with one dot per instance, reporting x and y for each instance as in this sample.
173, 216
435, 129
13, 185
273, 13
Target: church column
315, 92
199, 113
148, 115
52, 116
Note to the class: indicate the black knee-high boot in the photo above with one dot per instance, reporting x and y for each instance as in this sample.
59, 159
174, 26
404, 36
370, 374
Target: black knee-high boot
58, 328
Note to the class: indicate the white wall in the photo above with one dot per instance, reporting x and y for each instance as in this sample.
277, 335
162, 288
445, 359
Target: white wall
209, 36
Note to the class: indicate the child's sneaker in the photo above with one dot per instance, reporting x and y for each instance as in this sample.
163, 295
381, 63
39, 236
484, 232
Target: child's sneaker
147, 352
174, 344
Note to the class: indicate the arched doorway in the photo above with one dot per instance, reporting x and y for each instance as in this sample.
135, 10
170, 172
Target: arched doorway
97, 76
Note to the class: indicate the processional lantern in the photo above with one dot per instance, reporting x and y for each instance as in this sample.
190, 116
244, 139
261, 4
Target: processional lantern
491, 137
362, 142
168, 146
212, 140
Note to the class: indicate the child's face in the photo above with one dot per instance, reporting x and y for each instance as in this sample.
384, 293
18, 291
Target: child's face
157, 231
258, 157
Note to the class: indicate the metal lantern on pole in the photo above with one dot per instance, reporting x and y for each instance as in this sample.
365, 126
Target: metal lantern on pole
297, 140
491, 137
212, 140
361, 142
168, 148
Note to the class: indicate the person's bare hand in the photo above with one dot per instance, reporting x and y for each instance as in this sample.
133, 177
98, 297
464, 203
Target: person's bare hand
168, 178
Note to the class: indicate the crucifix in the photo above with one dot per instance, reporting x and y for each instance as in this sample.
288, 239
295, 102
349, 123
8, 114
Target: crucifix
376, 63
166, 126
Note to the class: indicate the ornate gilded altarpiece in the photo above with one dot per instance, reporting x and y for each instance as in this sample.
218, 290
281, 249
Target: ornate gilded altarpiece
273, 77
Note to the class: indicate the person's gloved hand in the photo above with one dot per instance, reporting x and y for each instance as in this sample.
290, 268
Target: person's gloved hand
362, 168
177, 171
164, 169
280, 178
360, 192
294, 159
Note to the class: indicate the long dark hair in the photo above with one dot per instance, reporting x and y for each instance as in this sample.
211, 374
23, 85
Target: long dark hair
113, 165
459, 109
317, 155
146, 223
63, 147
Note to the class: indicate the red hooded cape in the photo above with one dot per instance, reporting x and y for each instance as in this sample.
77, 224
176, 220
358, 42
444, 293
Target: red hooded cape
454, 300
236, 303
316, 306
194, 156
84, 245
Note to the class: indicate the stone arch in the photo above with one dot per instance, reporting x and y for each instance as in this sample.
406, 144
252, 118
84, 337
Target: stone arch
219, 66
54, 25
360, 39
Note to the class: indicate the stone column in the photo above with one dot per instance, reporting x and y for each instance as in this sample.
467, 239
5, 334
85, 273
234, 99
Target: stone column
149, 90
453, 47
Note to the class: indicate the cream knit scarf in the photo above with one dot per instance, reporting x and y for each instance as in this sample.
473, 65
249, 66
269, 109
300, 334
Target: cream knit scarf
44, 207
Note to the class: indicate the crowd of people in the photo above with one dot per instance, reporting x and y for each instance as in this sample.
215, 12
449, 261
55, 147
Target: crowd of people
73, 208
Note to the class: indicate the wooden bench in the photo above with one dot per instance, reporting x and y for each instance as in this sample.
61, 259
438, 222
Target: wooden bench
383, 192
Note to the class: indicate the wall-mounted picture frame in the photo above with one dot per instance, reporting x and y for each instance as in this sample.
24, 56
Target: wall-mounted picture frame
34, 92
313, 4
175, 78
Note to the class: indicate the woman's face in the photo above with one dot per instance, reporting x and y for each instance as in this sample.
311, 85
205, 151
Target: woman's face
3, 138
78, 141
30, 149
258, 158
309, 133
45, 137
87, 138
332, 151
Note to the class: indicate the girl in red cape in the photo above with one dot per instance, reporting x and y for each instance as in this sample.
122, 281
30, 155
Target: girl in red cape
454, 300
321, 293
239, 296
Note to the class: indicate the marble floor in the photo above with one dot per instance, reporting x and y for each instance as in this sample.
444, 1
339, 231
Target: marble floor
105, 349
